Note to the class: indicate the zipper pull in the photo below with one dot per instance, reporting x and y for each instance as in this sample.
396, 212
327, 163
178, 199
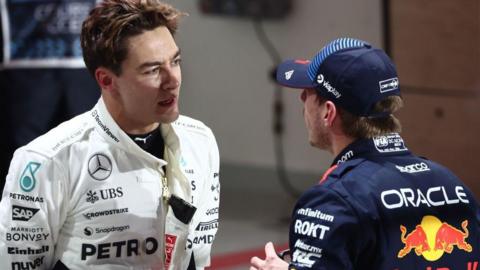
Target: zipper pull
165, 191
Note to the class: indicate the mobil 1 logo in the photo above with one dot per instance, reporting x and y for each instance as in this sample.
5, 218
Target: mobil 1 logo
23, 213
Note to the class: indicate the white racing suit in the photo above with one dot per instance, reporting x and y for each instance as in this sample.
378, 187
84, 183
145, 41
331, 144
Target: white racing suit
86, 195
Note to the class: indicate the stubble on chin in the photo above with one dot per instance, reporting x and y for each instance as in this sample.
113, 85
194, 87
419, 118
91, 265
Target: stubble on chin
321, 141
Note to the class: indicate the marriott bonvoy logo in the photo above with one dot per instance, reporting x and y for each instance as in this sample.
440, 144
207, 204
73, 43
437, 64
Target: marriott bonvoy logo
321, 80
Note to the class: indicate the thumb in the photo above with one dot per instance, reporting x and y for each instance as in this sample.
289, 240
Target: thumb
270, 250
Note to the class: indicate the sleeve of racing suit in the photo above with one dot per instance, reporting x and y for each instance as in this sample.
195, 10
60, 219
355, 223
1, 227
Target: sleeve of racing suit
207, 224
325, 232
31, 212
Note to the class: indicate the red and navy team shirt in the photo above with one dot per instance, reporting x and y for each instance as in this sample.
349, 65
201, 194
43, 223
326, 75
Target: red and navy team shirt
381, 207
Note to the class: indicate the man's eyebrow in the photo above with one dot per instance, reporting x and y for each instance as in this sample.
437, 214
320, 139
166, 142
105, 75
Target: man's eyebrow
157, 63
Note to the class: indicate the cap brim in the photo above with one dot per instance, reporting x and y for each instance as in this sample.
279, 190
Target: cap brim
293, 73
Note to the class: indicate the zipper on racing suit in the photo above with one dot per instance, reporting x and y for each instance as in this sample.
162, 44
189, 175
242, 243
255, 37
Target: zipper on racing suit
165, 191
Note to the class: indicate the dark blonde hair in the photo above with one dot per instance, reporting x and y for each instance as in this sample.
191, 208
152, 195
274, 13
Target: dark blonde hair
368, 127
109, 25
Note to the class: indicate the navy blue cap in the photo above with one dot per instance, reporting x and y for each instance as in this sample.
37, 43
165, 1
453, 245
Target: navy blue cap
349, 72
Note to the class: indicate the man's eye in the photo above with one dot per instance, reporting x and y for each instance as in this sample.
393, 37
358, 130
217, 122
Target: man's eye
177, 61
152, 71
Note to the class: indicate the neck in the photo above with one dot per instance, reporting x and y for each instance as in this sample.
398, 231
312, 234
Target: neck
126, 123
340, 142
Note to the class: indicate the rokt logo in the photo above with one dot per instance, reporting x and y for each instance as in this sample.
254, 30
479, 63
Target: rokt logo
27, 179
432, 238
99, 167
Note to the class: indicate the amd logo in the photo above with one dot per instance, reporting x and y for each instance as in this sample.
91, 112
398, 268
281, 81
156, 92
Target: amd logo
23, 213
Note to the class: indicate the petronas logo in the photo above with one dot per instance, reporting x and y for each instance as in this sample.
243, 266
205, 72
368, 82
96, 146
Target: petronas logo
27, 180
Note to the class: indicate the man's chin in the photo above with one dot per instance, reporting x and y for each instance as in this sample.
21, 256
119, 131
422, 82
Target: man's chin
322, 145
167, 119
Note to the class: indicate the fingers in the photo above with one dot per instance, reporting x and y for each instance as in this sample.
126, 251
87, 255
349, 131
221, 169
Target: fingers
270, 250
257, 262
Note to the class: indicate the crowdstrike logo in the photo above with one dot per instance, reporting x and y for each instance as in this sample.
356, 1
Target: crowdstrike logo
321, 80
288, 74
105, 213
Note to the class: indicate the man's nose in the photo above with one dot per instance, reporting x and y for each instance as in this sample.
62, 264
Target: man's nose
171, 79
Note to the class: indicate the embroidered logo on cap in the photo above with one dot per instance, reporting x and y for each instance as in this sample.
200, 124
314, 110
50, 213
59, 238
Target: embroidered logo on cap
388, 85
288, 74
321, 80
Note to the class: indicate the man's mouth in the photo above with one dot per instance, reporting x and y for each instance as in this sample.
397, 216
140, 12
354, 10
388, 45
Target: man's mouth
167, 102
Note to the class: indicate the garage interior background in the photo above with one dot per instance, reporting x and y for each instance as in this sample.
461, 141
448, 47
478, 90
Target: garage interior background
227, 64
227, 85
435, 44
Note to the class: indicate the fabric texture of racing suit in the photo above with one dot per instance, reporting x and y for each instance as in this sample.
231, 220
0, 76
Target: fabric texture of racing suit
86, 195
381, 207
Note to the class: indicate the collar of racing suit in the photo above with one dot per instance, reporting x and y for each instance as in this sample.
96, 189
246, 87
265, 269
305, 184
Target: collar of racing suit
178, 184
390, 144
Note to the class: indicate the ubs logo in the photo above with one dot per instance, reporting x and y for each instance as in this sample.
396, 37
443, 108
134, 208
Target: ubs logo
99, 167
105, 194
216, 190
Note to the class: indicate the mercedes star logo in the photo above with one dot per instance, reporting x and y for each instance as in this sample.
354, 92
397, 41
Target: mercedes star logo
99, 167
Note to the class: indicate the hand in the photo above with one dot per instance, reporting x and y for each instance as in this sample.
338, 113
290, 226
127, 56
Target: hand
271, 262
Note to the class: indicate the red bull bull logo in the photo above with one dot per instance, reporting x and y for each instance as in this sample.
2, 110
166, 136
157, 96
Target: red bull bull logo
432, 238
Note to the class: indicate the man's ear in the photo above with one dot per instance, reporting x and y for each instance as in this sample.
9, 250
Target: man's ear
330, 113
105, 79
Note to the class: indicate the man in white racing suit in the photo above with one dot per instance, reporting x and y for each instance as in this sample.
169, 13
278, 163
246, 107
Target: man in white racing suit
130, 184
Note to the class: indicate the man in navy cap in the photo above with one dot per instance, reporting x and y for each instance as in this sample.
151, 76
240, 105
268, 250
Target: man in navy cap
378, 206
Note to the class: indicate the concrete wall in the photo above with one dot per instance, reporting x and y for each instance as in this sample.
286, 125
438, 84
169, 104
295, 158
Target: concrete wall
436, 46
226, 82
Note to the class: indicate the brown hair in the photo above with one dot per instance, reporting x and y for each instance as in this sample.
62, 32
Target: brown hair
112, 22
368, 127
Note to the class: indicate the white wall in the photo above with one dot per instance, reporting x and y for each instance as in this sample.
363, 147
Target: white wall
225, 74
